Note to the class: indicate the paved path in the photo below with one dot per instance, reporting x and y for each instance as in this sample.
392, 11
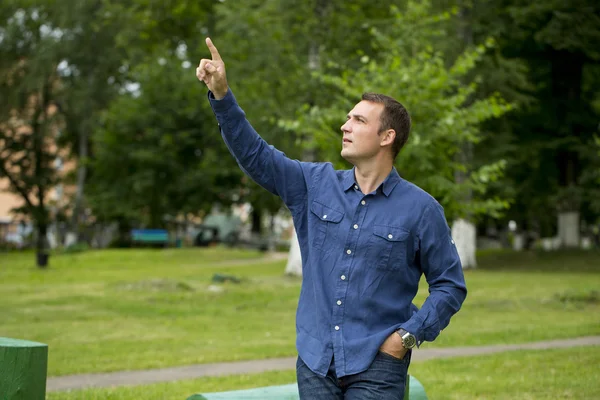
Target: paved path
122, 378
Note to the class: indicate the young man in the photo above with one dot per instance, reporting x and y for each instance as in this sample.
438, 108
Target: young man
366, 236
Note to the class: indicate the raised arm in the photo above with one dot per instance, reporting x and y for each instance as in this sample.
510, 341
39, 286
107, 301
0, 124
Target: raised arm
266, 165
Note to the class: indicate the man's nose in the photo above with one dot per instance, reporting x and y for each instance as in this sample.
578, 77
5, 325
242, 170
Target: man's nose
345, 127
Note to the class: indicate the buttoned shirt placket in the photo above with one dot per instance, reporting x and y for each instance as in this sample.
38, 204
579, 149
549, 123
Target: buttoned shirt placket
343, 278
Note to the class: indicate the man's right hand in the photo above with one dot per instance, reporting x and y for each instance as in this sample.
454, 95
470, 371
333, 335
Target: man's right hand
212, 72
393, 346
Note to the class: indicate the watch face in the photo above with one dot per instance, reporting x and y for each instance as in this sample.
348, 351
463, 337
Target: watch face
409, 341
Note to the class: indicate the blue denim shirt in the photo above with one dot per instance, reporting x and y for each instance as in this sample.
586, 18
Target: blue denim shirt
362, 255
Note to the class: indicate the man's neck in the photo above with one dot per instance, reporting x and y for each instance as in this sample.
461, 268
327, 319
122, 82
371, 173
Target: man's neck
370, 175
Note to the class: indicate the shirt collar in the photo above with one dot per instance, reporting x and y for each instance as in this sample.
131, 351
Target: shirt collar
390, 182
349, 180
387, 186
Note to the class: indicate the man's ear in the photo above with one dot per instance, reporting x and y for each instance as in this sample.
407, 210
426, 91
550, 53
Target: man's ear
388, 137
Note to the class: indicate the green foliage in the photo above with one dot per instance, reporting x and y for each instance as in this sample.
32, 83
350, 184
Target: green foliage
445, 119
297, 67
159, 152
560, 24
553, 135
267, 48
28, 89
90, 70
590, 179
29, 119
152, 24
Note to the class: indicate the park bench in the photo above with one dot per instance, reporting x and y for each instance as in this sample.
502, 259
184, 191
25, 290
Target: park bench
414, 391
150, 236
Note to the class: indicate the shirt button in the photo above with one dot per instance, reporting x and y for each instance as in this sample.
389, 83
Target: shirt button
337, 328
348, 251
363, 202
339, 302
325, 216
355, 226
356, 187
390, 236
343, 277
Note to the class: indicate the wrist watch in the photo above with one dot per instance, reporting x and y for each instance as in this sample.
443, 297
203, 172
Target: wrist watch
408, 339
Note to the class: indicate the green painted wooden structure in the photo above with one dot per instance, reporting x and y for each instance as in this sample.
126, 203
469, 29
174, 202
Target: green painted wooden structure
23, 369
414, 391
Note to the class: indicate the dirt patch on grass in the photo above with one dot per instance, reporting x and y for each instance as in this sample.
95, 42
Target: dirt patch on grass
156, 285
582, 297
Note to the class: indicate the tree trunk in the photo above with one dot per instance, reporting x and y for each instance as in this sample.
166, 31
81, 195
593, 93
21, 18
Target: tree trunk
41, 214
256, 216
41, 251
568, 228
464, 232
294, 263
271, 245
123, 232
156, 209
567, 76
73, 235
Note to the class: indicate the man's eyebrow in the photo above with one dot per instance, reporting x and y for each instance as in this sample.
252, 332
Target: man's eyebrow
357, 116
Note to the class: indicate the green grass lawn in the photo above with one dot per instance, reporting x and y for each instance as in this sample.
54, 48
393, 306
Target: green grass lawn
540, 375
137, 309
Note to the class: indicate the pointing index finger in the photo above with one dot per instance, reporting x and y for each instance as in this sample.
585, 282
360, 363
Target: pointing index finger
213, 50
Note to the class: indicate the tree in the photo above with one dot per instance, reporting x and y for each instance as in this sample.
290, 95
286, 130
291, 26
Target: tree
159, 153
547, 138
136, 36
301, 36
410, 69
29, 118
91, 65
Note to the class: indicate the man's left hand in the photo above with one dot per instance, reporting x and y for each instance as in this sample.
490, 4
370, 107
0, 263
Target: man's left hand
393, 346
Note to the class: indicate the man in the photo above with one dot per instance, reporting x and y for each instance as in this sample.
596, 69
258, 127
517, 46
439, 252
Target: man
366, 236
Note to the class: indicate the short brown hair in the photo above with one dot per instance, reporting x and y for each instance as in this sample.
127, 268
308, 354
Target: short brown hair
394, 116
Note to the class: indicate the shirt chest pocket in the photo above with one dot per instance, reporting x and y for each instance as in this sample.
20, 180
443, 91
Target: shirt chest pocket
325, 226
388, 247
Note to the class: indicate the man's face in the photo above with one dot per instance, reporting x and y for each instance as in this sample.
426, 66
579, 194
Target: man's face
360, 139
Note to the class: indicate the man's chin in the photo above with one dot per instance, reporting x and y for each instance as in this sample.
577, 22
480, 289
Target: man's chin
346, 156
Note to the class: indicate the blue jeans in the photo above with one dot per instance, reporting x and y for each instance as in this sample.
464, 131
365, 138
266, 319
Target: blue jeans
385, 379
